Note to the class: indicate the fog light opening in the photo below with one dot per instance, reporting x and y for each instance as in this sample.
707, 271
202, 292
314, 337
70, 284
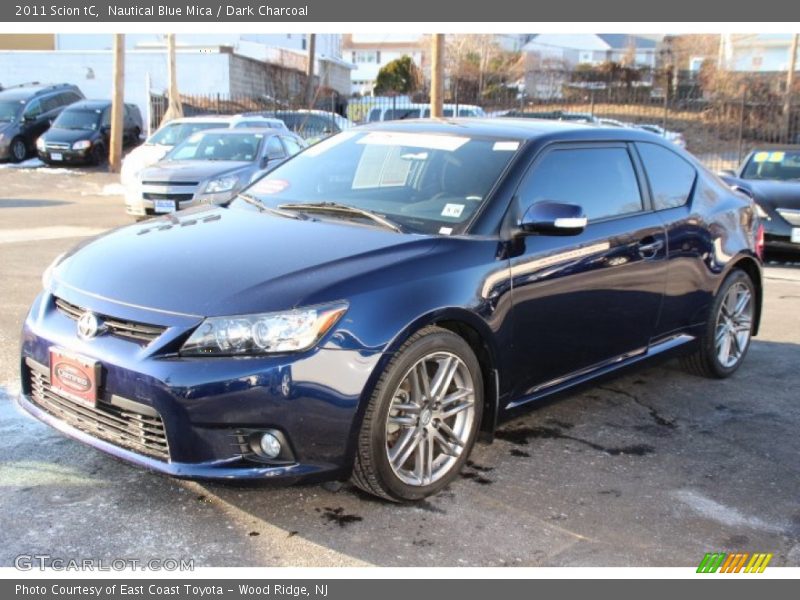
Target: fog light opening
270, 445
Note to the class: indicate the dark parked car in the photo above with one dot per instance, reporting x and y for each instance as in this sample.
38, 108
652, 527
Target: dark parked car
26, 112
370, 305
81, 134
772, 178
311, 125
211, 167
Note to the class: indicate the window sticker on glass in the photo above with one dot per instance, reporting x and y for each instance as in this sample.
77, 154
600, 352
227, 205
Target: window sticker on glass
195, 138
449, 143
381, 166
269, 186
505, 146
776, 157
452, 210
445, 230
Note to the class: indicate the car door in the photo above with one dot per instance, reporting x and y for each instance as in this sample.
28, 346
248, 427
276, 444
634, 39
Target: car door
34, 121
586, 301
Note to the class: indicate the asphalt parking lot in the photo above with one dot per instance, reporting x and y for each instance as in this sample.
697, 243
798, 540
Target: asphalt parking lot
654, 468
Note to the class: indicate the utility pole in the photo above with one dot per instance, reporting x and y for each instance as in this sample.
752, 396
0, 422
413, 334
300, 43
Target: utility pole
312, 51
117, 104
437, 74
787, 102
174, 108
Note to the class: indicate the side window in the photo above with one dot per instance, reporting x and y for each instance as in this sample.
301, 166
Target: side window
671, 177
33, 110
374, 115
275, 148
105, 120
51, 103
601, 180
292, 147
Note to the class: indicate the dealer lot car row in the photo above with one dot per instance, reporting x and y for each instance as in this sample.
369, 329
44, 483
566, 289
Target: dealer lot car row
370, 305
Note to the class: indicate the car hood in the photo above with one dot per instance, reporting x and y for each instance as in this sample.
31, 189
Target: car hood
212, 261
777, 194
190, 170
140, 158
68, 136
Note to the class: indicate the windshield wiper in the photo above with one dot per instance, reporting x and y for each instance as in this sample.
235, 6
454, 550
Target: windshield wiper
273, 211
335, 207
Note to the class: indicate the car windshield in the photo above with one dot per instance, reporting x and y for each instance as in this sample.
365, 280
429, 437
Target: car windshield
225, 145
9, 110
173, 134
79, 119
423, 182
781, 165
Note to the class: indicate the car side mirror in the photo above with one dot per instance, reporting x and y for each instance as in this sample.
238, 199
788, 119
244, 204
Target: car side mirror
28, 118
553, 218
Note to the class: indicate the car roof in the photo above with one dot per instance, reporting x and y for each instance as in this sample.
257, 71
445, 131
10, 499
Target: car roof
29, 91
516, 128
89, 105
263, 131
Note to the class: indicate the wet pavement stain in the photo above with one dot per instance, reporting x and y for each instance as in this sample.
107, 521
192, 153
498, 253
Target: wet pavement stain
519, 453
654, 414
253, 534
521, 436
477, 467
426, 505
338, 516
476, 477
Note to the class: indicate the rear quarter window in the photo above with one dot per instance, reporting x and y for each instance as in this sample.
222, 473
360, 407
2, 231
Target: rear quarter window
671, 177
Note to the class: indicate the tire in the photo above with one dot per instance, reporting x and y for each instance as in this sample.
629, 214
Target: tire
18, 150
412, 443
734, 333
98, 155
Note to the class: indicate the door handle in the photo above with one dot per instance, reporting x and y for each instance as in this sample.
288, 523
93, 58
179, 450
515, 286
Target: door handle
649, 247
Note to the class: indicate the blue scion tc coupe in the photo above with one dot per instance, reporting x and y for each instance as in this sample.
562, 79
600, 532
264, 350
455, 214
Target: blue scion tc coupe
371, 305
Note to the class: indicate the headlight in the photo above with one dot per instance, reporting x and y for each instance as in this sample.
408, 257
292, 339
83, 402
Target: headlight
39, 143
267, 333
81, 145
48, 272
762, 214
223, 184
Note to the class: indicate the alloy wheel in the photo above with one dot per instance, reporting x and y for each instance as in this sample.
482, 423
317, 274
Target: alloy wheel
734, 325
430, 419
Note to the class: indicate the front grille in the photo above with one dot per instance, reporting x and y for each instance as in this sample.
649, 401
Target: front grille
791, 216
178, 197
57, 146
131, 330
132, 425
171, 183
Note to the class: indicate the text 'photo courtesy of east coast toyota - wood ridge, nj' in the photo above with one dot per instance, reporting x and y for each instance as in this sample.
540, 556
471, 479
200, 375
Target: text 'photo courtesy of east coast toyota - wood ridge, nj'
419, 291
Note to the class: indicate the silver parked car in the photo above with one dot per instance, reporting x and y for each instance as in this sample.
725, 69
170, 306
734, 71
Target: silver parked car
211, 167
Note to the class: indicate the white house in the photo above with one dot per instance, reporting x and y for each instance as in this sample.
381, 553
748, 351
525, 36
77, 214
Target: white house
594, 48
369, 52
757, 52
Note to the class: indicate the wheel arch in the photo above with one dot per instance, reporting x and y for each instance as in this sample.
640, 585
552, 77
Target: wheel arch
472, 329
752, 267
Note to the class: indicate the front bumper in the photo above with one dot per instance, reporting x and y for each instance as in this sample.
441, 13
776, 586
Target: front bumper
68, 156
778, 235
207, 405
156, 199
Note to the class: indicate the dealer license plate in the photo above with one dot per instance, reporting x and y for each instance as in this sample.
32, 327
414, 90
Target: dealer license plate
796, 235
74, 376
56, 156
164, 206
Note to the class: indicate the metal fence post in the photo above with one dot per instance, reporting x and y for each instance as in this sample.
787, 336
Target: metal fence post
742, 106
